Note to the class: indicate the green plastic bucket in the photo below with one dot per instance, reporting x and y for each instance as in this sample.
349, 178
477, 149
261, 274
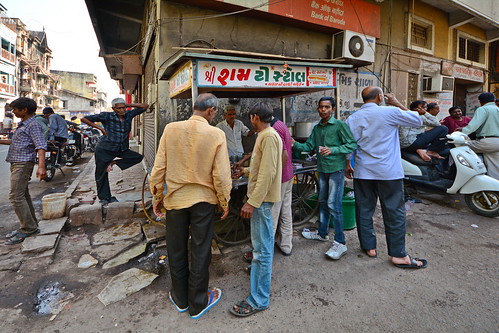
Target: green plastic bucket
348, 205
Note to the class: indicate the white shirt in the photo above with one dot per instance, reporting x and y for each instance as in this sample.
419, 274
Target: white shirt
233, 136
376, 130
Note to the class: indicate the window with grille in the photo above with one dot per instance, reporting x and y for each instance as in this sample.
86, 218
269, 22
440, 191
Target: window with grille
470, 50
421, 34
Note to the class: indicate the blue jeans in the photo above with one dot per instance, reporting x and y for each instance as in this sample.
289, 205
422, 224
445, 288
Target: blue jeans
330, 199
262, 239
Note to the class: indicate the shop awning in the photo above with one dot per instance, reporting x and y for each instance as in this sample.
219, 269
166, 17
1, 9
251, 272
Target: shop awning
254, 75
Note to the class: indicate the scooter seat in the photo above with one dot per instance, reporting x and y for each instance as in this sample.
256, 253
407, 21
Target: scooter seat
416, 160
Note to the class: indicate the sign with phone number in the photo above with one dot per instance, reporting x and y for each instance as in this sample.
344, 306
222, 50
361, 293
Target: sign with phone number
252, 75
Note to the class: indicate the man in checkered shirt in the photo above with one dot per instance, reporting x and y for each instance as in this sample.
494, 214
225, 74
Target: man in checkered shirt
27, 142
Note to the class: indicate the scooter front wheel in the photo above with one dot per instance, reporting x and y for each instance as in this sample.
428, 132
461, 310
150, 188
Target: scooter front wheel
484, 203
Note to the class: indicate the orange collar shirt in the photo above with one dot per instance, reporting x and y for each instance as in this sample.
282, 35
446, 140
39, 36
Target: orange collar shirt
192, 160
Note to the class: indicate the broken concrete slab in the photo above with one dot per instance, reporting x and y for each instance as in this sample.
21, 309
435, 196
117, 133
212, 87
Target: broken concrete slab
161, 244
126, 189
37, 244
86, 214
36, 263
11, 262
52, 226
108, 251
125, 257
70, 204
87, 261
119, 211
125, 284
154, 232
117, 232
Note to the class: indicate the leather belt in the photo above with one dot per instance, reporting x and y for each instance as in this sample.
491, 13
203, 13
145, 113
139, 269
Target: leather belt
488, 136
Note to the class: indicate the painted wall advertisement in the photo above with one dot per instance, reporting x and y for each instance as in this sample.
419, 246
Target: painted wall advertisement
223, 74
351, 84
445, 101
181, 80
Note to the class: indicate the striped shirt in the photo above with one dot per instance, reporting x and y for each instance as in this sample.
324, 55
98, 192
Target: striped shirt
27, 139
117, 130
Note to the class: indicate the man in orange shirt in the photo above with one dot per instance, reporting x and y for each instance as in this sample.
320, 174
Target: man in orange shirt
192, 159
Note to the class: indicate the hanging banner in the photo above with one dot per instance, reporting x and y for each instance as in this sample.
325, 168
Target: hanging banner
223, 74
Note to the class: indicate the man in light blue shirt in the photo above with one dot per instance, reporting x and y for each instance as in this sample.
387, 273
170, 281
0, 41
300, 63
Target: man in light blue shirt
378, 173
485, 123
58, 129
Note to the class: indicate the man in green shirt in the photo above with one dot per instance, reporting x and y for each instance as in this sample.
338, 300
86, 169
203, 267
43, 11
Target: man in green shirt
332, 141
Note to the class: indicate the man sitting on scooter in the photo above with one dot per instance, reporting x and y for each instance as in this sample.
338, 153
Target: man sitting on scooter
485, 123
426, 144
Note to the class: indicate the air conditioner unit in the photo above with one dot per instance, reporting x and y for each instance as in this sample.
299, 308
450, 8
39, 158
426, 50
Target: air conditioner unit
353, 46
438, 83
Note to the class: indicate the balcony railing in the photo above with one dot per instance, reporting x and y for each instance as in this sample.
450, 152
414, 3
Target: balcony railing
6, 89
9, 56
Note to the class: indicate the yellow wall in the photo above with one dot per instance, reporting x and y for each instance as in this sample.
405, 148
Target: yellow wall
441, 25
472, 30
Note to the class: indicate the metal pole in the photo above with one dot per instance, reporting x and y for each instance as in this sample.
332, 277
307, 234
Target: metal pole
283, 108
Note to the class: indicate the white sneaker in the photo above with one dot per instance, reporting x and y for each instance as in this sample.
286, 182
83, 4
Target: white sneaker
336, 251
314, 235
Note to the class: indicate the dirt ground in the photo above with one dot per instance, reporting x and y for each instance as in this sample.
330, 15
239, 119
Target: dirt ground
458, 292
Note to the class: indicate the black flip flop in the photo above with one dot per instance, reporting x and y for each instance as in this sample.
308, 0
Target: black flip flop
243, 305
414, 263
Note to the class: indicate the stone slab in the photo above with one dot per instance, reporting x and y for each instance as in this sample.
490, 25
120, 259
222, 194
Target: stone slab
117, 232
125, 284
86, 214
11, 262
161, 244
52, 226
154, 232
37, 244
119, 211
108, 251
125, 257
33, 264
87, 261
70, 204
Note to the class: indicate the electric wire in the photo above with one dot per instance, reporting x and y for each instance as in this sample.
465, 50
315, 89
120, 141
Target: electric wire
196, 18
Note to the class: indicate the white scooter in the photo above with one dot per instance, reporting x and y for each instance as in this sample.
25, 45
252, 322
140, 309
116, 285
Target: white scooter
464, 174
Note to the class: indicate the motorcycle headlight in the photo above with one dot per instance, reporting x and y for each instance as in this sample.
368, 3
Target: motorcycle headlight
463, 161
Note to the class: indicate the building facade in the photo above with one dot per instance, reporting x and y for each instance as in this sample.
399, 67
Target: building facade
172, 50
8, 60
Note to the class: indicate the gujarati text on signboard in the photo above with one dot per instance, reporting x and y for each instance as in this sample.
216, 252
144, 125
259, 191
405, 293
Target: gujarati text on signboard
251, 75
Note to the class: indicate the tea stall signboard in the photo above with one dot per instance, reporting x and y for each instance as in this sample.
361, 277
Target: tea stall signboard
221, 74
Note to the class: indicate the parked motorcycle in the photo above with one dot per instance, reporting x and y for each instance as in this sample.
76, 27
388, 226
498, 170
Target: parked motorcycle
55, 157
91, 137
464, 173
75, 146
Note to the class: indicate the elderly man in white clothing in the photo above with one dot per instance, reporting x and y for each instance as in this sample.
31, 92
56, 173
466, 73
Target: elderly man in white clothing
379, 174
234, 129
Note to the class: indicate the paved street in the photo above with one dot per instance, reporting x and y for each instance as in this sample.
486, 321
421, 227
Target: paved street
458, 292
